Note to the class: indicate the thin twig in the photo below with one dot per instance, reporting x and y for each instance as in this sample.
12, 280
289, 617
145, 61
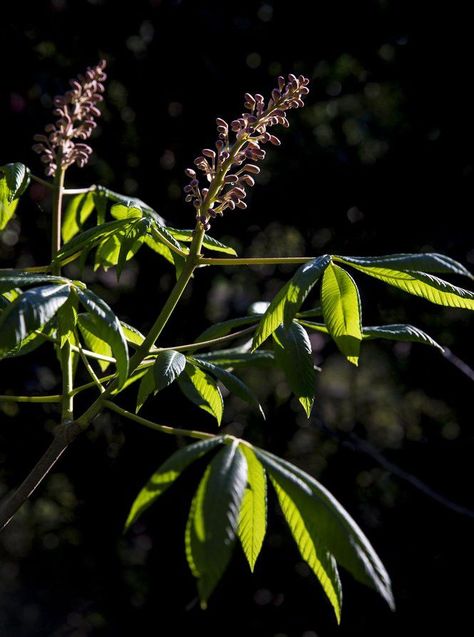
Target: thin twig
164, 429
56, 398
353, 442
255, 261
63, 437
43, 182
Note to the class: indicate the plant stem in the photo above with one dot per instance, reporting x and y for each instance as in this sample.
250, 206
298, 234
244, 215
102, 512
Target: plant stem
57, 216
157, 327
56, 398
63, 436
212, 341
78, 191
91, 371
255, 261
174, 431
67, 412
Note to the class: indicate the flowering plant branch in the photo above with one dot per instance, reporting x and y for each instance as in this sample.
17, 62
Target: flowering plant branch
41, 305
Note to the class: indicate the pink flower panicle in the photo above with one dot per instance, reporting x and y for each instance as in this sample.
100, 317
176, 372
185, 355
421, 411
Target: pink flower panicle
76, 111
227, 190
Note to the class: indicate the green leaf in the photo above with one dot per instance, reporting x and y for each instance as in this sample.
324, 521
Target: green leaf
232, 383
29, 312
120, 211
85, 241
293, 354
333, 526
298, 516
131, 202
313, 312
66, 320
230, 358
167, 368
399, 332
167, 473
134, 337
17, 178
424, 262
91, 333
208, 242
107, 253
253, 510
342, 311
203, 391
18, 279
7, 207
225, 327
77, 212
213, 519
108, 328
160, 248
160, 233
100, 203
131, 242
289, 299
424, 285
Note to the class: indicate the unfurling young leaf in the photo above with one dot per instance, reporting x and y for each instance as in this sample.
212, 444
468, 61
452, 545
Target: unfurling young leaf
293, 354
214, 518
342, 311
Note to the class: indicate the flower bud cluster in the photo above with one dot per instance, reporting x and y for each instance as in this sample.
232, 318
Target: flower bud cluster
229, 169
62, 145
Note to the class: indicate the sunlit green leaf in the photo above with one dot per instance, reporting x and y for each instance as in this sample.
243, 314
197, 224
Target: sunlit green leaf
289, 299
7, 207
231, 382
167, 473
399, 332
108, 328
91, 333
342, 311
203, 391
253, 510
29, 312
213, 518
77, 212
333, 527
293, 354
17, 178
424, 285
84, 242
424, 262
298, 512
230, 358
134, 337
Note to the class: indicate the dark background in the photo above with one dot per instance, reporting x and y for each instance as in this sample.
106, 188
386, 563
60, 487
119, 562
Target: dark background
379, 161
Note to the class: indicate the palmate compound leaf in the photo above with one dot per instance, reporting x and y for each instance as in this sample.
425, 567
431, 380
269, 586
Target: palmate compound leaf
332, 526
231, 382
167, 368
108, 328
167, 473
202, 390
29, 312
421, 284
424, 262
253, 510
289, 299
394, 332
214, 518
293, 354
78, 210
342, 311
